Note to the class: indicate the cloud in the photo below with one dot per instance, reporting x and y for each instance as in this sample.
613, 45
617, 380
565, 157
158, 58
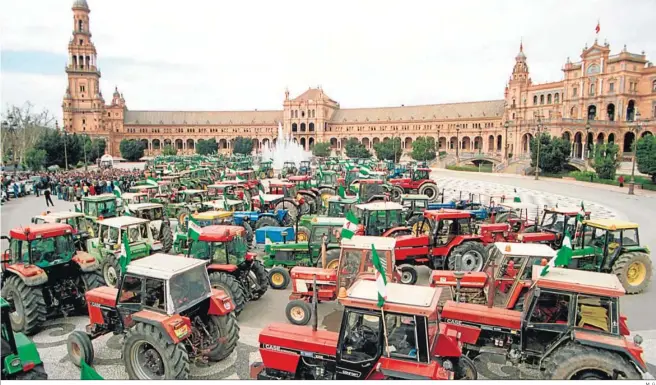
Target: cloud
213, 55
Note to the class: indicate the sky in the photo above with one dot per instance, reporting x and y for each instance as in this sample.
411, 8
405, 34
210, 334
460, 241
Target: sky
242, 55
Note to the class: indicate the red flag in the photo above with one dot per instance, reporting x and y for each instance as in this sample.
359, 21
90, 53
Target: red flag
598, 28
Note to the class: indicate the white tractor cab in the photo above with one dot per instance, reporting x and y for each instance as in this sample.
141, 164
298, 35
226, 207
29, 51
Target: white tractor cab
83, 227
106, 161
226, 204
149, 190
134, 197
160, 226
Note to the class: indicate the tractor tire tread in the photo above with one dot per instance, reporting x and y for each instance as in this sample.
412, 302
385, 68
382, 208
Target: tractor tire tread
262, 279
228, 331
622, 264
464, 248
232, 287
166, 237
34, 304
174, 354
568, 360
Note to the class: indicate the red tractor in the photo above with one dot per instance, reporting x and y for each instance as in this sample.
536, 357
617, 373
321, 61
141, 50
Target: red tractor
419, 182
570, 328
355, 261
168, 314
448, 242
504, 281
44, 276
286, 197
402, 340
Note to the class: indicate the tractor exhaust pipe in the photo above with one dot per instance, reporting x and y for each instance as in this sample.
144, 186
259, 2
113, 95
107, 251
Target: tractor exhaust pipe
491, 291
315, 306
459, 275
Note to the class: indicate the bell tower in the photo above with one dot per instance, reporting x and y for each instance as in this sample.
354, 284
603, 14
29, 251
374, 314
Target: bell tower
83, 103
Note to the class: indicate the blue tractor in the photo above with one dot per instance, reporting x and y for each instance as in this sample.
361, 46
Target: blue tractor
258, 219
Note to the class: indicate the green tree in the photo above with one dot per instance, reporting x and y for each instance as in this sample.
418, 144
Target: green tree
206, 147
322, 149
95, 148
242, 146
169, 150
553, 153
60, 147
131, 150
423, 149
389, 149
646, 156
606, 160
355, 149
35, 159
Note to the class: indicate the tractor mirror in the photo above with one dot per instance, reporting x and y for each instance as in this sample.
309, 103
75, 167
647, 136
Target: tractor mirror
4, 237
536, 293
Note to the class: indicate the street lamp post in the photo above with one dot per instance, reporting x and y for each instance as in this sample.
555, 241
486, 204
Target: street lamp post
84, 149
457, 143
65, 150
505, 150
538, 128
587, 141
480, 140
636, 130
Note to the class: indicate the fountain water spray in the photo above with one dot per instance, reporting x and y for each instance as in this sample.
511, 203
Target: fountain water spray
286, 149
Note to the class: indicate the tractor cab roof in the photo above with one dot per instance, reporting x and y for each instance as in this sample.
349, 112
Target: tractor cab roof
570, 211
99, 198
137, 188
579, 281
370, 181
144, 206
220, 233
162, 266
191, 191
123, 221
212, 214
299, 178
379, 206
131, 195
346, 201
414, 197
365, 242
61, 215
404, 299
525, 249
221, 204
281, 184
44, 230
423, 169
232, 182
328, 221
611, 224
447, 214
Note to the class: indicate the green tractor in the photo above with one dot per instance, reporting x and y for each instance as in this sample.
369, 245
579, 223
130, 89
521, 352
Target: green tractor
106, 246
20, 359
337, 208
613, 246
266, 170
185, 202
160, 226
288, 168
98, 207
280, 257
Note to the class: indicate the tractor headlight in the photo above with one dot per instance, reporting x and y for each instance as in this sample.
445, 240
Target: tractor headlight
15, 362
227, 305
637, 339
448, 365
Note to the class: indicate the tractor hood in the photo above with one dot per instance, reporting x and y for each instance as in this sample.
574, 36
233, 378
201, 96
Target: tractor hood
139, 249
411, 241
399, 180
281, 345
281, 246
473, 314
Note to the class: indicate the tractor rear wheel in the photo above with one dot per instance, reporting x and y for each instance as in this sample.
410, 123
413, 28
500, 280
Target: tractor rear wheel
111, 270
465, 369
182, 216
472, 256
291, 208
396, 192
265, 222
634, 271
166, 236
80, 348
262, 279
408, 274
148, 355
418, 226
29, 305
88, 281
37, 373
332, 259
249, 233
305, 208
298, 312
303, 234
225, 330
577, 362
430, 190
279, 278
230, 285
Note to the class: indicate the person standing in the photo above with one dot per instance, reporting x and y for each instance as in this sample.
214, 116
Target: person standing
46, 194
621, 180
92, 189
85, 188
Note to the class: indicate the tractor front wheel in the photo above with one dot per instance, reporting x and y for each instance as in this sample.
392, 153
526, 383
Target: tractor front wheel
472, 257
166, 236
332, 260
265, 222
230, 285
111, 270
298, 312
577, 362
80, 348
29, 305
262, 279
634, 271
225, 331
396, 193
465, 369
303, 234
279, 278
430, 190
88, 281
408, 274
148, 355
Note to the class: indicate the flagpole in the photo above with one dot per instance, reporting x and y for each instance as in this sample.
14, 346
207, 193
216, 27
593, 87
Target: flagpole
385, 331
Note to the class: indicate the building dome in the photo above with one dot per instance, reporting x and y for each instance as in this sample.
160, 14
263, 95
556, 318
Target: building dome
80, 4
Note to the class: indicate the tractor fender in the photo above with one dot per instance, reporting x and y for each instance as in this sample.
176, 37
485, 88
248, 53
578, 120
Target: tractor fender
175, 328
221, 267
31, 275
394, 230
620, 345
448, 342
86, 262
427, 181
220, 303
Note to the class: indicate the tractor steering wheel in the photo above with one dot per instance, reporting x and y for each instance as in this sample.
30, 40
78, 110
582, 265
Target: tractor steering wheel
359, 336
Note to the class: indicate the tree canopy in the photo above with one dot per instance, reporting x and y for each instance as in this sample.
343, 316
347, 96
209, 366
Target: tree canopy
242, 146
321, 149
52, 142
131, 150
424, 149
22, 127
35, 159
355, 149
646, 156
553, 153
207, 147
389, 149
606, 161
169, 150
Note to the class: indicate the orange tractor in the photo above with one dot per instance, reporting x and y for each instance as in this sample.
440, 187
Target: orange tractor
169, 315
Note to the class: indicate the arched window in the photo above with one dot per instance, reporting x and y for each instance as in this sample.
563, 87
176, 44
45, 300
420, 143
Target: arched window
311, 127
294, 127
592, 89
556, 98
80, 25
302, 125
513, 104
549, 99
541, 99
302, 114
653, 86
535, 100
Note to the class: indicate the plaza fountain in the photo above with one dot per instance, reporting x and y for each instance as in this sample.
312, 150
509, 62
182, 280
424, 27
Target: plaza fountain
285, 149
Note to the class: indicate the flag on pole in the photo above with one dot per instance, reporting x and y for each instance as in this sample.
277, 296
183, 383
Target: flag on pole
598, 27
194, 229
126, 254
261, 195
364, 171
581, 215
381, 278
563, 256
240, 178
152, 182
117, 191
341, 192
350, 225
88, 373
517, 199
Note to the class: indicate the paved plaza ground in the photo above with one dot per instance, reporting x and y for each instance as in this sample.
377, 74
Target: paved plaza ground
603, 201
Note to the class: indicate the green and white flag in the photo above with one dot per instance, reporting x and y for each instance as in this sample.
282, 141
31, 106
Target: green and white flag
581, 215
152, 182
261, 195
365, 171
117, 191
88, 373
240, 178
320, 173
381, 278
350, 225
517, 198
126, 254
563, 256
341, 192
194, 229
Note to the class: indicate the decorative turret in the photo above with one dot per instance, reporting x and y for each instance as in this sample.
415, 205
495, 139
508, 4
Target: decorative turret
520, 71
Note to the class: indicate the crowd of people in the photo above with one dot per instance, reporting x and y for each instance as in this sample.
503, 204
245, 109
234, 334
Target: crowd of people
69, 185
